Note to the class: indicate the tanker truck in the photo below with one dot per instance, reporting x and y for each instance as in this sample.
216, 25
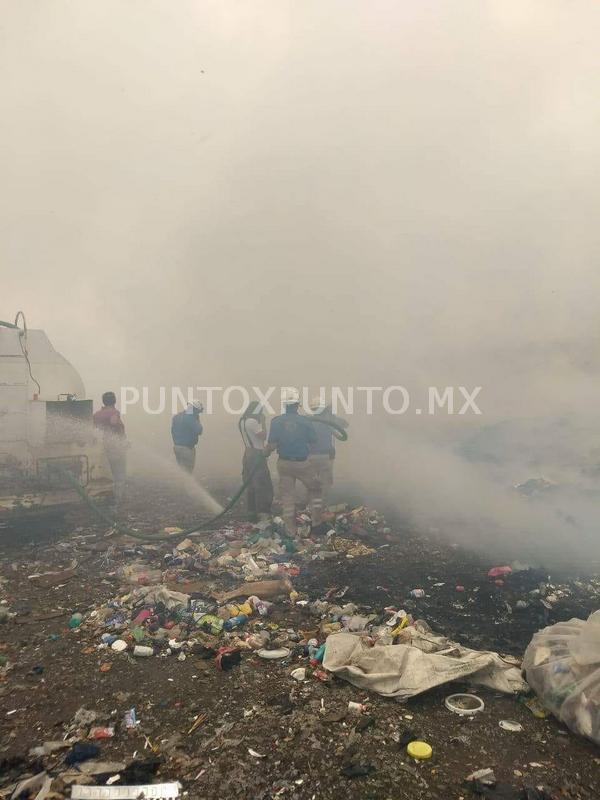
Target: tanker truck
47, 438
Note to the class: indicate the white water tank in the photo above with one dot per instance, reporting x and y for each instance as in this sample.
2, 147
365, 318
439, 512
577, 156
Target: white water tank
19, 391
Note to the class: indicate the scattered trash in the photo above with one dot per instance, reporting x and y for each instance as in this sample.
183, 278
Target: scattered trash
464, 704
356, 708
282, 652
49, 580
536, 708
101, 732
138, 574
404, 670
143, 651
164, 603
227, 658
81, 751
101, 767
130, 720
84, 717
40, 784
419, 750
562, 665
140, 770
48, 748
497, 572
263, 589
483, 776
157, 791
200, 720
510, 725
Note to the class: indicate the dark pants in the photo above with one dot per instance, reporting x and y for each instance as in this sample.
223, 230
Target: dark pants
185, 456
259, 493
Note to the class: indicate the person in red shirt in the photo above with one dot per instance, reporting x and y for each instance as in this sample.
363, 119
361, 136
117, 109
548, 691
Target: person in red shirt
108, 421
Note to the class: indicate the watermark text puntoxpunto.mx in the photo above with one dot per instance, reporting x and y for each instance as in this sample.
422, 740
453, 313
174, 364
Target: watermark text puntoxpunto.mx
344, 400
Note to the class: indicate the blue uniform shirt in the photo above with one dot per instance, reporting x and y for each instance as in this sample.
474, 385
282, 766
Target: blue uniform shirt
185, 429
292, 435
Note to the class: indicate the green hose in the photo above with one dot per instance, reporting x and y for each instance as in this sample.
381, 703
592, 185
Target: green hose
157, 537
153, 537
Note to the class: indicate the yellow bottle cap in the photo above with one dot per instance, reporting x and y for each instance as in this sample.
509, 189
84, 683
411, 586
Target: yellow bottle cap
420, 750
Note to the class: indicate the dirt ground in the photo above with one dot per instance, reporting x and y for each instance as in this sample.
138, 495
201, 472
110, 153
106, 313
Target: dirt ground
297, 729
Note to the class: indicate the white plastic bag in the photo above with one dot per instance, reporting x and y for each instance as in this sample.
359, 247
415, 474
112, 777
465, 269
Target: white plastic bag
562, 666
425, 661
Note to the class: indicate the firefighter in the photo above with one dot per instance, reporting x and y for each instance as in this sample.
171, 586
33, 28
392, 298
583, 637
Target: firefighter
186, 429
322, 451
259, 494
292, 436
109, 423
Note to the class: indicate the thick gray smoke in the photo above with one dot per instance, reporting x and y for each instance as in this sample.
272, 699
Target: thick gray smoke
331, 192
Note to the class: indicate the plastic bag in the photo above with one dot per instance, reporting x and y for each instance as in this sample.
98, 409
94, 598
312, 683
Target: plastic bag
139, 574
562, 666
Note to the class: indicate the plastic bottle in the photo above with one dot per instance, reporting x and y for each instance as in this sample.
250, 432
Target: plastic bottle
130, 718
262, 606
235, 622
142, 650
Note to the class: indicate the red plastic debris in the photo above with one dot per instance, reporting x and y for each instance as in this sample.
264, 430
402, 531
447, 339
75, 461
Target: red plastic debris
496, 572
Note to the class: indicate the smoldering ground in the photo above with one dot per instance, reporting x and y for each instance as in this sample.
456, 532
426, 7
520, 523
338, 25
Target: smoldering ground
211, 194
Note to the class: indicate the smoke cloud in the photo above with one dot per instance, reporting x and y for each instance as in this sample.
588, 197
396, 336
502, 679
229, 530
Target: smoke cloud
327, 193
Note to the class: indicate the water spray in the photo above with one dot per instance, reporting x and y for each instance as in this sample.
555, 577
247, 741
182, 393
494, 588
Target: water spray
341, 435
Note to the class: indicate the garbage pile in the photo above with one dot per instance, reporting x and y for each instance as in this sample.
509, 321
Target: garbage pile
244, 647
386, 651
176, 609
